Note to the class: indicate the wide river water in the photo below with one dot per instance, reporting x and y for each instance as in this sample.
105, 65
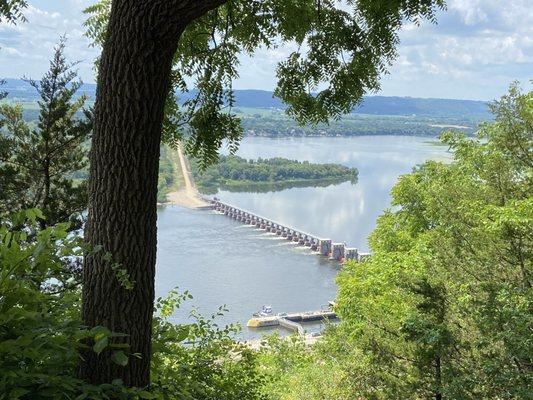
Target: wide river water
222, 262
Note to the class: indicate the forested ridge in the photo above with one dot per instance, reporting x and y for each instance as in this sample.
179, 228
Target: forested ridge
274, 123
270, 123
375, 105
234, 171
264, 115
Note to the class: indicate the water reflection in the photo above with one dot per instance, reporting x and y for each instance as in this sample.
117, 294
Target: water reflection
266, 187
343, 212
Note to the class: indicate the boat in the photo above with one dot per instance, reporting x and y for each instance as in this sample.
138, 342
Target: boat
266, 311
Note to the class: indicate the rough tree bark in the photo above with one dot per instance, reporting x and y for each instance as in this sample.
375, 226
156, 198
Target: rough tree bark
133, 82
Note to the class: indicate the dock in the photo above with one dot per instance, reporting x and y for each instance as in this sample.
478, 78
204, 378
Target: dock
292, 321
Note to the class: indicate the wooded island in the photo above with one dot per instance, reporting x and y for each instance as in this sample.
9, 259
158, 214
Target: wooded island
234, 171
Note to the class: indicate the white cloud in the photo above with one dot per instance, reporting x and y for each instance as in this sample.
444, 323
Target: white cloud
475, 51
25, 48
12, 51
470, 11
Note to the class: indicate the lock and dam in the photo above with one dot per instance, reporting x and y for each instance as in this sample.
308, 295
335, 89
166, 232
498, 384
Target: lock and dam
322, 246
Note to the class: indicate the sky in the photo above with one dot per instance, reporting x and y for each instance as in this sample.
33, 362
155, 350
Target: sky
474, 52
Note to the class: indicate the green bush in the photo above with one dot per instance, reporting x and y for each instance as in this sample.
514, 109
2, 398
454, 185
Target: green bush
41, 333
443, 307
40, 327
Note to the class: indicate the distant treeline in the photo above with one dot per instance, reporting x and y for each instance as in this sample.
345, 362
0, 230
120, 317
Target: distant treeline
277, 126
274, 123
263, 115
234, 171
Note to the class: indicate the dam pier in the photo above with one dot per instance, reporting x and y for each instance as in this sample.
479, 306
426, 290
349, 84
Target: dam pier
325, 247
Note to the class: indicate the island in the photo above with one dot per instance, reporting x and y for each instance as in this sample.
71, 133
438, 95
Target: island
233, 172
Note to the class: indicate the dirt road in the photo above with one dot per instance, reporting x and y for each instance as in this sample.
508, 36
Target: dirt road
186, 196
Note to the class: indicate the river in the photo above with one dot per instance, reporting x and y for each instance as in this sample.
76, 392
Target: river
222, 262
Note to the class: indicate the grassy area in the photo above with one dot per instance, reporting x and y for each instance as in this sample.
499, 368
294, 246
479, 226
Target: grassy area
170, 173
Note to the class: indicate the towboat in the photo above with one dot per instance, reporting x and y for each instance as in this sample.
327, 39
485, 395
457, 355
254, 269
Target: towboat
266, 311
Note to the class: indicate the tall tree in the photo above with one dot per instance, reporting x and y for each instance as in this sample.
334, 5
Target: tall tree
37, 163
153, 47
443, 308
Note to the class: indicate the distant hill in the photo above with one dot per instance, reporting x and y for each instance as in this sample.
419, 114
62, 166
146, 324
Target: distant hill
381, 105
20, 90
375, 105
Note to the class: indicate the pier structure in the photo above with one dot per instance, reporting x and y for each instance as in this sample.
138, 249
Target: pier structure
292, 321
325, 247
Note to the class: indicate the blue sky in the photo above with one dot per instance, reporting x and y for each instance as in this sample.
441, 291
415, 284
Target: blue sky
475, 51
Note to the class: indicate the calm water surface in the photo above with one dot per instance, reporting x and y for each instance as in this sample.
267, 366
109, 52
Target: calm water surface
222, 262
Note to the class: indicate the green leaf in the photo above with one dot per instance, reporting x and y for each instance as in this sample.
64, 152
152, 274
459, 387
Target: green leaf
146, 395
17, 393
183, 333
99, 330
100, 345
119, 358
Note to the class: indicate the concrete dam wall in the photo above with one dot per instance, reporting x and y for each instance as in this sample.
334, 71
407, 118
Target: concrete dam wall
323, 246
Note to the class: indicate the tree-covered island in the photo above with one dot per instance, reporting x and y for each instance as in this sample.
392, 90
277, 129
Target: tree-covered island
234, 171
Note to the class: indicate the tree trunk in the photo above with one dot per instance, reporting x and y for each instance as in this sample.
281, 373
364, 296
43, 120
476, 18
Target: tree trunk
133, 83
44, 203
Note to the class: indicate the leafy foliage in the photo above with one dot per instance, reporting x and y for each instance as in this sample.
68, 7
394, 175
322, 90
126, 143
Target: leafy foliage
12, 10
40, 326
200, 360
342, 48
298, 371
41, 333
37, 164
443, 307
